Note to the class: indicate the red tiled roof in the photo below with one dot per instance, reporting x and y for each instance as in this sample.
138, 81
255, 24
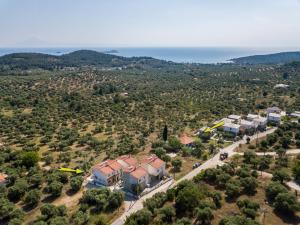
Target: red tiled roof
106, 170
114, 164
185, 140
138, 172
129, 160
154, 161
108, 167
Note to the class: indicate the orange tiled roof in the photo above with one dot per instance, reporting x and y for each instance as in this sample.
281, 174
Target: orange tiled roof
185, 140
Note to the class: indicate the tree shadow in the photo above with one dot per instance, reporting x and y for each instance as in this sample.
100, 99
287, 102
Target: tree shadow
49, 199
28, 208
288, 218
71, 192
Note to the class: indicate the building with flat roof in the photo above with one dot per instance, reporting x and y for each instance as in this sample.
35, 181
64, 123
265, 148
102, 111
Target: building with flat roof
235, 118
261, 122
232, 128
251, 117
274, 117
273, 110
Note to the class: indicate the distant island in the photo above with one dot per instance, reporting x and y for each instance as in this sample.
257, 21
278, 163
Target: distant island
277, 58
111, 52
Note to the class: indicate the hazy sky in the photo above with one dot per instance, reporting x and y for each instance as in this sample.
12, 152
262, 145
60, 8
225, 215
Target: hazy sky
107, 23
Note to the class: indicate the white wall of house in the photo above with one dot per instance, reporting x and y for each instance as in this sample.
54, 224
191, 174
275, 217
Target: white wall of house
232, 129
153, 171
262, 121
274, 117
100, 177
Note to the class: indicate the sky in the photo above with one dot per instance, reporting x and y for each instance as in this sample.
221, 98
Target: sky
150, 23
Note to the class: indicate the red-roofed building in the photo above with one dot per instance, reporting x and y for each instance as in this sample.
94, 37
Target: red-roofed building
127, 161
185, 140
155, 167
3, 178
108, 172
135, 179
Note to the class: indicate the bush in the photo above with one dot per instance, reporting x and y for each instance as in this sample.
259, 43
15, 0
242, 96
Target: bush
249, 185
81, 218
273, 189
30, 159
16, 192
55, 188
143, 216
249, 208
286, 203
233, 188
238, 220
187, 199
33, 197
176, 163
281, 175
76, 183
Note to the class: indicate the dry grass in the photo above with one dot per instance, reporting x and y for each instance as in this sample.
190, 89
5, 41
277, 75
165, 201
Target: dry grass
187, 166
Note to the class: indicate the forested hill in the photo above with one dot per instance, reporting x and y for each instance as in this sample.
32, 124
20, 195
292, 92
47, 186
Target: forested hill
278, 58
26, 61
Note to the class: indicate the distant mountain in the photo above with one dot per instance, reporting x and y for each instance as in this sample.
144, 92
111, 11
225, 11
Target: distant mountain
26, 61
278, 58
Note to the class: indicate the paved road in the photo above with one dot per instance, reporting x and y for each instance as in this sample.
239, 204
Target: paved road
213, 162
288, 152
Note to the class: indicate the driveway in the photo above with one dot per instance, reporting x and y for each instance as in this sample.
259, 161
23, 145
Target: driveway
213, 162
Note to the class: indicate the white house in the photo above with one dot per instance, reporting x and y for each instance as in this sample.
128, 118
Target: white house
134, 178
296, 114
231, 127
261, 122
107, 173
251, 117
3, 179
281, 86
247, 125
274, 117
273, 110
155, 167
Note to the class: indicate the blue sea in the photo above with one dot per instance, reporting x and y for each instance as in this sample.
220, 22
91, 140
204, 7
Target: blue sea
182, 55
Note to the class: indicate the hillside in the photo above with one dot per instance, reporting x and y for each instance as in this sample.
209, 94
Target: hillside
278, 58
26, 61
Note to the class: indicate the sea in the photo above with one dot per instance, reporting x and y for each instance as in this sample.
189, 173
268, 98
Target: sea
206, 55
